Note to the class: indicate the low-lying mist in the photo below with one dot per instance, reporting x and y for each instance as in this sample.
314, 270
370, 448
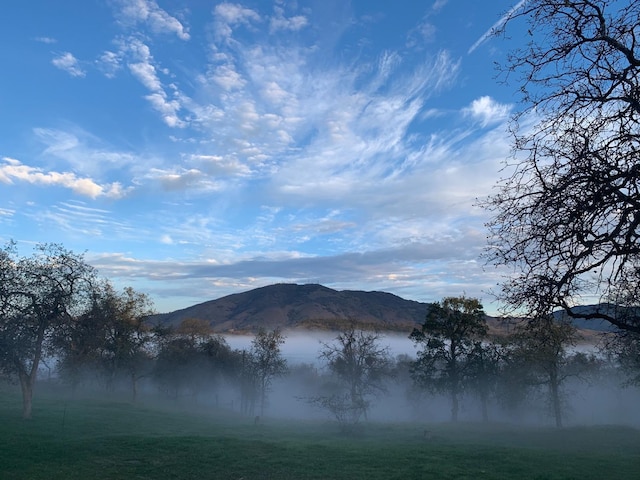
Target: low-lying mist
597, 400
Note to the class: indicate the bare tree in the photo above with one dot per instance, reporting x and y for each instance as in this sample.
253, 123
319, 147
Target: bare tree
38, 296
567, 218
360, 365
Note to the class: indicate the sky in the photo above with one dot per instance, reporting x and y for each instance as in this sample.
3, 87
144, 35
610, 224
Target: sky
193, 149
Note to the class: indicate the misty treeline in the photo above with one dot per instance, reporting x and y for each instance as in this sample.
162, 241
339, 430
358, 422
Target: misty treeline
55, 308
56, 312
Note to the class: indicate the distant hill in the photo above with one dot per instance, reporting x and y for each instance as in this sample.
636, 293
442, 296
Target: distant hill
596, 324
312, 306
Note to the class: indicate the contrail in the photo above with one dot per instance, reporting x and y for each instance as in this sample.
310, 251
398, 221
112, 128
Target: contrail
496, 26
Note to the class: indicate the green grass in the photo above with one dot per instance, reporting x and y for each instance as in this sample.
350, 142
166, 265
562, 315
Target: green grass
98, 439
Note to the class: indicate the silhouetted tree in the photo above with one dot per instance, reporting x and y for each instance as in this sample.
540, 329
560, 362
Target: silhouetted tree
624, 347
447, 338
566, 218
360, 365
540, 357
111, 336
484, 365
266, 362
192, 358
39, 295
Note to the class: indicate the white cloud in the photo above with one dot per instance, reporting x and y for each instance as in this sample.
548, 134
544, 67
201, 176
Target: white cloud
67, 62
231, 14
439, 5
227, 77
167, 108
182, 179
221, 166
487, 111
13, 170
280, 22
234, 13
109, 63
148, 12
47, 40
146, 73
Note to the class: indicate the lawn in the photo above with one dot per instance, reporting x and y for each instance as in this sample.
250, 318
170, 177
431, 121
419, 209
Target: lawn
100, 439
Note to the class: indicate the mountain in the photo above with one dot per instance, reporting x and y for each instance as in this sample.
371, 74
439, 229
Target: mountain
311, 306
316, 307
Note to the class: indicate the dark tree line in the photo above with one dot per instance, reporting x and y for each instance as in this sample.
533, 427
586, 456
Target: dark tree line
54, 305
458, 357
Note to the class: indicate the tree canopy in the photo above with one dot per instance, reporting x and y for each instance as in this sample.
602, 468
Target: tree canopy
448, 338
566, 218
38, 296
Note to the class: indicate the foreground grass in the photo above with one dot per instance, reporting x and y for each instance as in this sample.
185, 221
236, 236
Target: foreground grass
114, 440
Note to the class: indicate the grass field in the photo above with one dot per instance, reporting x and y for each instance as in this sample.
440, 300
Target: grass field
98, 439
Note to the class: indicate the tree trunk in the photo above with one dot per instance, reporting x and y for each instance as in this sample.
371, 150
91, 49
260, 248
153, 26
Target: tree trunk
484, 403
28, 376
134, 387
555, 400
454, 405
26, 385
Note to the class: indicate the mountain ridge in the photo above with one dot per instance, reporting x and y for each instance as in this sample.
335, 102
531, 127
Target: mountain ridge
290, 306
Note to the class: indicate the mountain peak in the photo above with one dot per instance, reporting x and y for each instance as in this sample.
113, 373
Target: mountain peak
313, 306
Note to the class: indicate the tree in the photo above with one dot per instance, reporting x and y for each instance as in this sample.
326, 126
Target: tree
540, 356
111, 336
361, 366
447, 337
484, 367
624, 347
39, 295
567, 217
192, 358
266, 362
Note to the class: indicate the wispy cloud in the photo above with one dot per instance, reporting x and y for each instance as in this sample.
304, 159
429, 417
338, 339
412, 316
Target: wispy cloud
228, 15
280, 22
67, 62
298, 151
83, 152
496, 26
47, 40
149, 13
142, 68
439, 5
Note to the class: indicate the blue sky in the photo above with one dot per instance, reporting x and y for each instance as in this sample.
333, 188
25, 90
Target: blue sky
198, 148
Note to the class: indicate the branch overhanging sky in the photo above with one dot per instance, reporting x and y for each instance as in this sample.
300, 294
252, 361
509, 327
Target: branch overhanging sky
198, 149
